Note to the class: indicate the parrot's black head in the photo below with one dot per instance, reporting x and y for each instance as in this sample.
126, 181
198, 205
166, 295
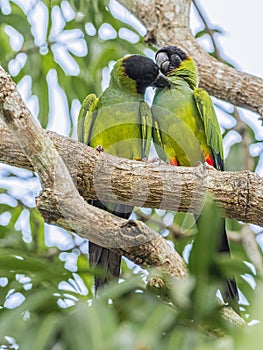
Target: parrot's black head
169, 58
144, 72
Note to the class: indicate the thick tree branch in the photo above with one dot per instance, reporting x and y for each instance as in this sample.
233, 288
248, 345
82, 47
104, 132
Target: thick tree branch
99, 175
167, 23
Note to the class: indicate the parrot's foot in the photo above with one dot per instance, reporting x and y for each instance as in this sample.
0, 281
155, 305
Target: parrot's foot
99, 148
205, 166
156, 161
202, 168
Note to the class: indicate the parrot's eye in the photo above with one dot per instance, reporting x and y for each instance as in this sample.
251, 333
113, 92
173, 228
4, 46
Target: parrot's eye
175, 60
175, 57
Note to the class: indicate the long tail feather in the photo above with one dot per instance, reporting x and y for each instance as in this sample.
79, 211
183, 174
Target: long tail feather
105, 262
230, 291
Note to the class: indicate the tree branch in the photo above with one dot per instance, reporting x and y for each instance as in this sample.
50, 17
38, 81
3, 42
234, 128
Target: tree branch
100, 175
167, 23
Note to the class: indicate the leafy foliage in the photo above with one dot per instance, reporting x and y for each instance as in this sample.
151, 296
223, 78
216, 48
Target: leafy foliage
53, 314
46, 300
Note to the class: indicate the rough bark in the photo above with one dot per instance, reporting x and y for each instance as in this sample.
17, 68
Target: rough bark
100, 175
167, 23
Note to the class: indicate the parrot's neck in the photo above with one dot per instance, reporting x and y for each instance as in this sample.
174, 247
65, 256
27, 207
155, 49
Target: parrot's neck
121, 82
186, 71
125, 87
119, 94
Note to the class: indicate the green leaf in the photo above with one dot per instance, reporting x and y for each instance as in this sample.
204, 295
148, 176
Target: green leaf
40, 88
202, 261
236, 159
37, 230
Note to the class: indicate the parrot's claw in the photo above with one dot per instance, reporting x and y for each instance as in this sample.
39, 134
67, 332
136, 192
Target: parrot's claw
201, 165
205, 166
208, 166
156, 161
99, 148
200, 169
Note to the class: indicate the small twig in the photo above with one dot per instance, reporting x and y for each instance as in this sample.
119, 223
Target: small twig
209, 31
242, 129
252, 249
173, 229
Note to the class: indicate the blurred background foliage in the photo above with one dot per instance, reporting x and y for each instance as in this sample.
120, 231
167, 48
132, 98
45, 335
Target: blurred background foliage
57, 52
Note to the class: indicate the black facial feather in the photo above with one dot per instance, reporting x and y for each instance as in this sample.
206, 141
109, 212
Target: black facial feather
144, 71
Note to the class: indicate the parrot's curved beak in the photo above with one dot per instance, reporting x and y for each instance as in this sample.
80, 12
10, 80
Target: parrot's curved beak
161, 81
163, 62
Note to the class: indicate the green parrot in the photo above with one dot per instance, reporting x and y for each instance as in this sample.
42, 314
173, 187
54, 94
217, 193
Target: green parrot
120, 122
186, 129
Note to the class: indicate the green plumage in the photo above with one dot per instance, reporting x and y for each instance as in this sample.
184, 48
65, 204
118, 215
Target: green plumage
185, 127
119, 121
185, 122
